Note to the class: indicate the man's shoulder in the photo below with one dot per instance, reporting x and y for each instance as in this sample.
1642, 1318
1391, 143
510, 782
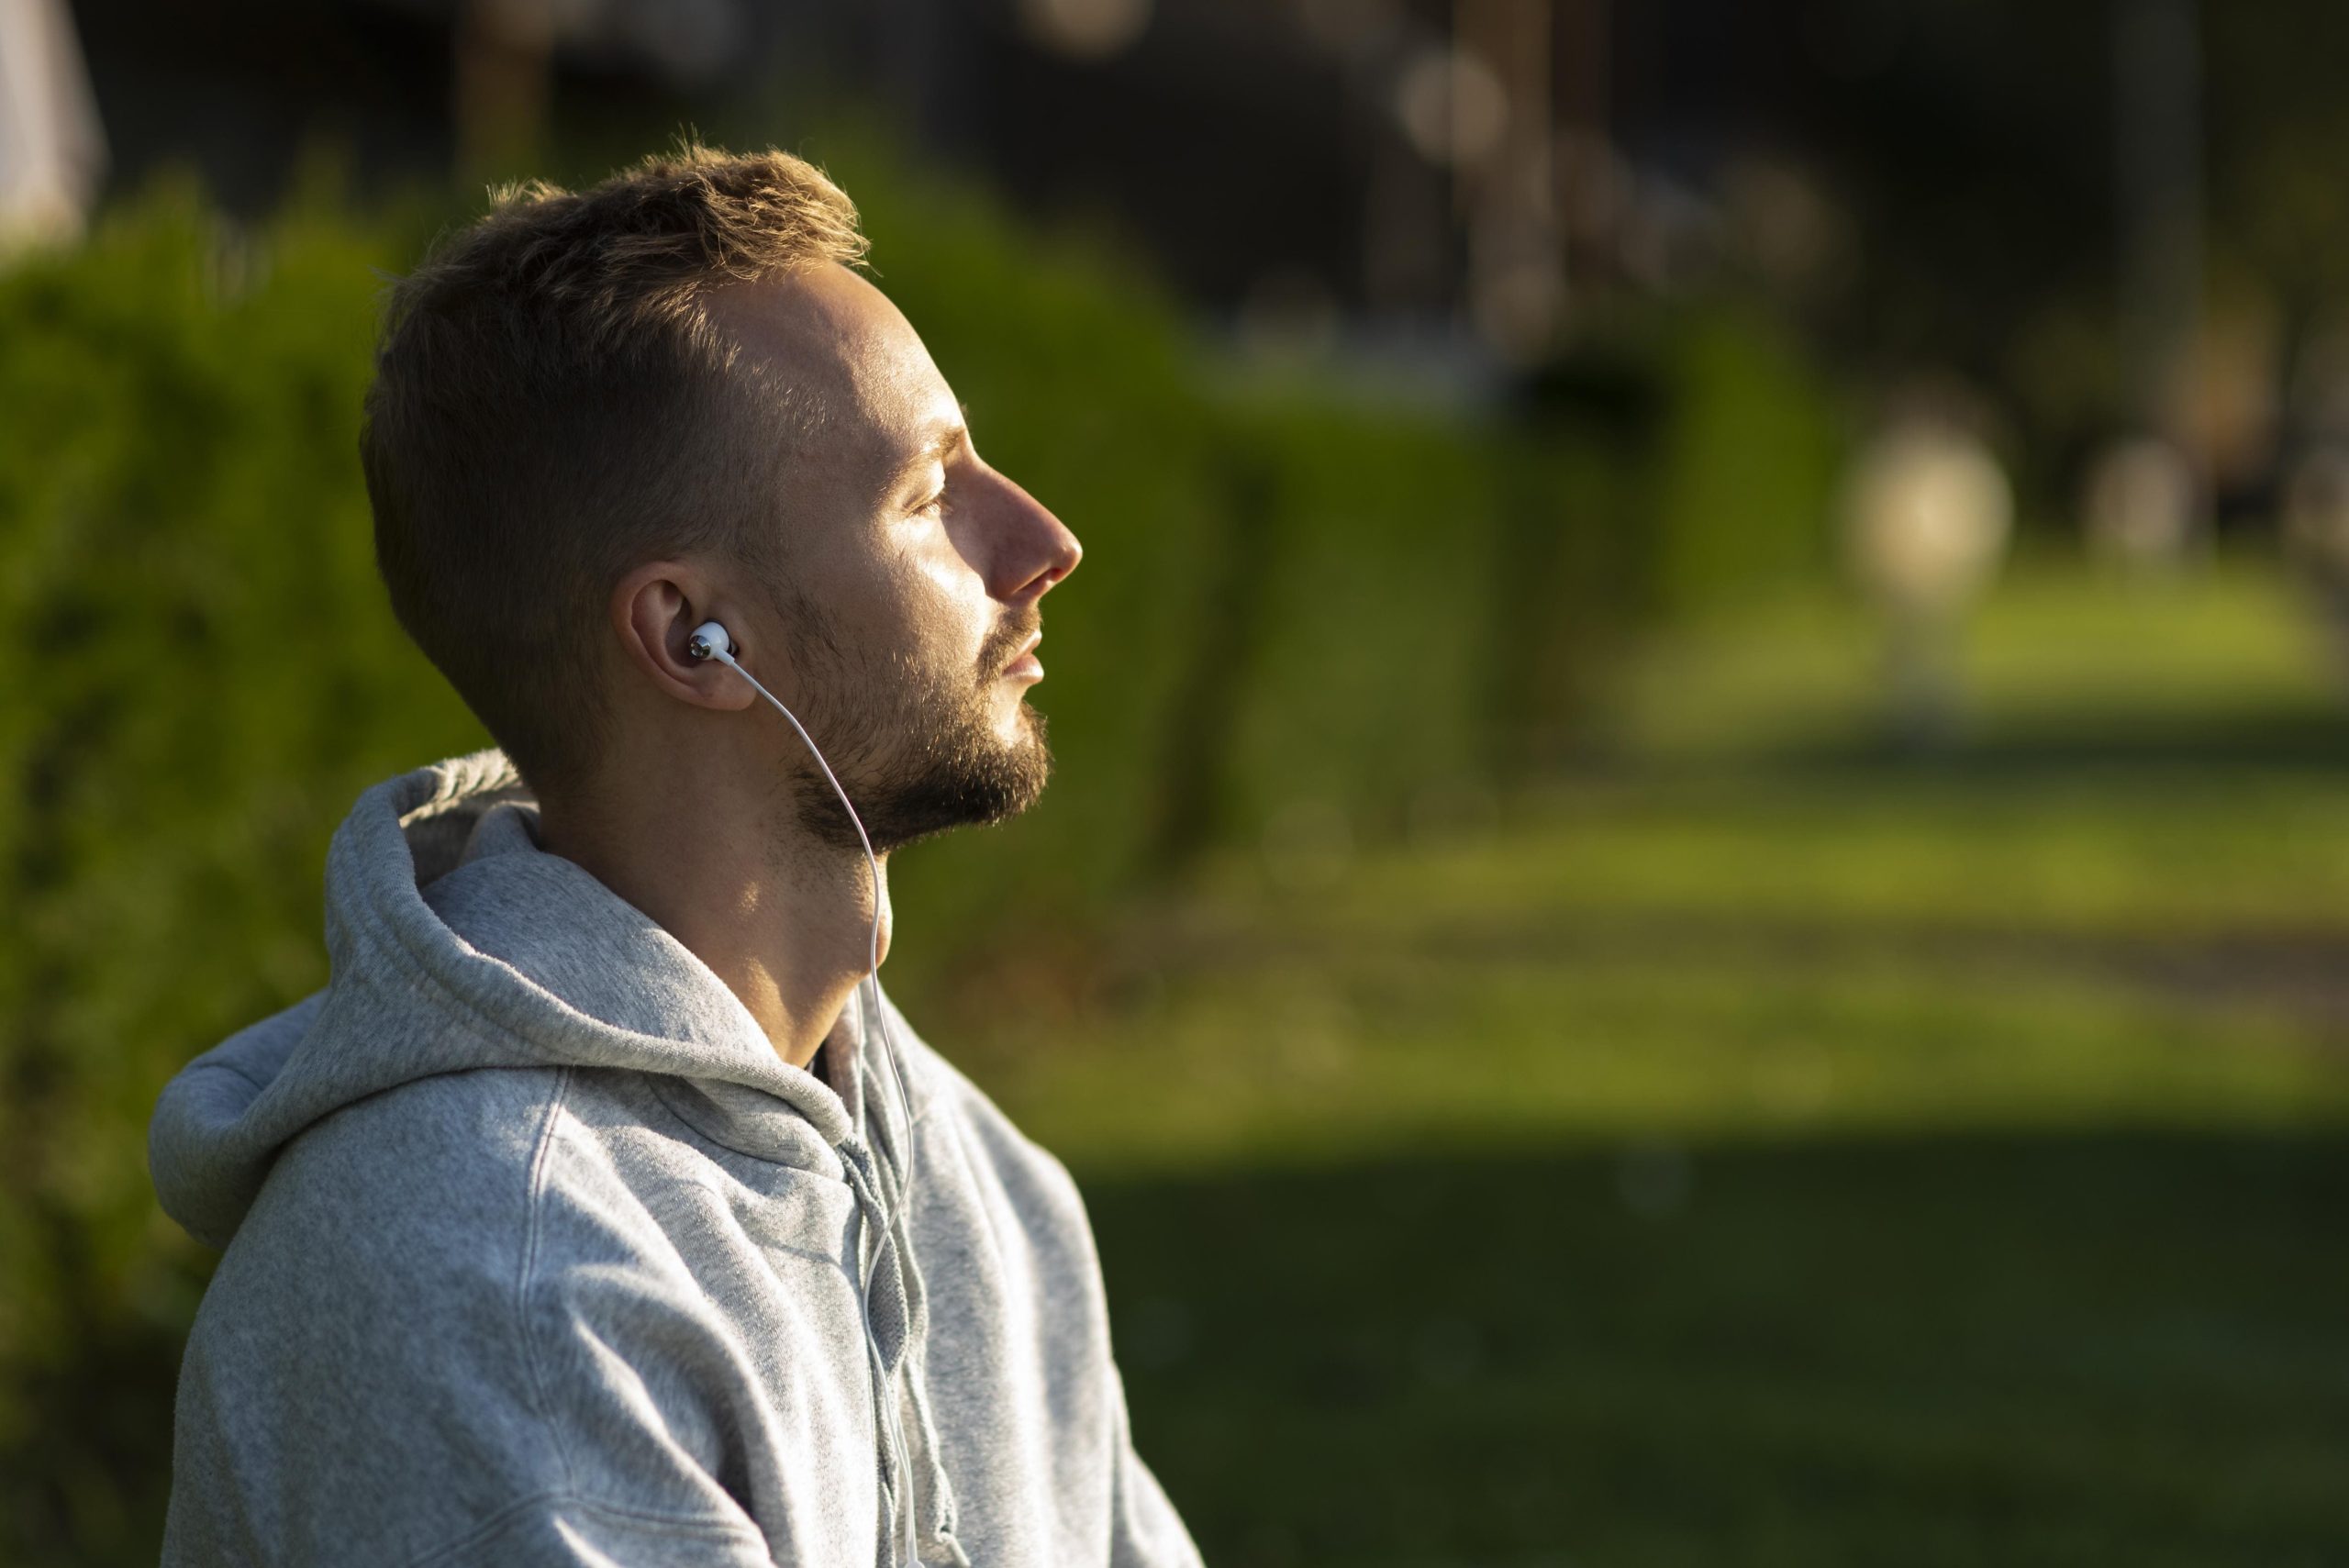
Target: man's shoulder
448, 1180
418, 1244
942, 1089
364, 1316
403, 1202
951, 1101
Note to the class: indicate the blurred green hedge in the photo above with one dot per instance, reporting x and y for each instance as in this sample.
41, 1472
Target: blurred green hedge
1299, 611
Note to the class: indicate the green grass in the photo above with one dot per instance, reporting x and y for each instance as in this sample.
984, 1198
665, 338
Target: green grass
1775, 1149
2085, 1348
2224, 664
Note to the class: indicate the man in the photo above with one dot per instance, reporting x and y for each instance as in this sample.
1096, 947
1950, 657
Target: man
577, 1220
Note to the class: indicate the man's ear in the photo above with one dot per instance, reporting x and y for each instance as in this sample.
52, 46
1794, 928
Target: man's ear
653, 612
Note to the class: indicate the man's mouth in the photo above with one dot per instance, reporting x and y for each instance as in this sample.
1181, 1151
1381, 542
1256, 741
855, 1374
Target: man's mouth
1024, 665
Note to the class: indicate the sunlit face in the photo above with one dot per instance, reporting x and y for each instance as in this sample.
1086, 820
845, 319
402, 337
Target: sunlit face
904, 580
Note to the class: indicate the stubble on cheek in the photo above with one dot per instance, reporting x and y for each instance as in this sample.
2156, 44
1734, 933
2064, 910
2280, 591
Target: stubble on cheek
919, 742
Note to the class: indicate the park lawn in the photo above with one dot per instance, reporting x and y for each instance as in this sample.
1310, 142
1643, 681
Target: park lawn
1779, 1151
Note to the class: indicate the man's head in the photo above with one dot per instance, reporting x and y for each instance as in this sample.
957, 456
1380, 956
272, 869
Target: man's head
601, 418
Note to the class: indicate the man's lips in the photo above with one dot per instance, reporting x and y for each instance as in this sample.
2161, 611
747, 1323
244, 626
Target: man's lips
1023, 666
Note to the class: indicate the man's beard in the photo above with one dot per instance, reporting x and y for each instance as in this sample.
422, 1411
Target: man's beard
914, 748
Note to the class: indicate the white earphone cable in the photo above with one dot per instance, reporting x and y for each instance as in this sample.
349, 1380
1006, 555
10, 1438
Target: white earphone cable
725, 655
872, 950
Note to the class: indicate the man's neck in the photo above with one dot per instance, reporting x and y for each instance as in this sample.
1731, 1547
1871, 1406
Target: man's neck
787, 930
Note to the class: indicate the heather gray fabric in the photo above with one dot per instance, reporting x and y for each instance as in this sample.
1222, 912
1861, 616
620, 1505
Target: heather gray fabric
537, 1253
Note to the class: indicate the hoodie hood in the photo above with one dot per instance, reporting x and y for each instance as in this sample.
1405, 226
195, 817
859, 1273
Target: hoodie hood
455, 942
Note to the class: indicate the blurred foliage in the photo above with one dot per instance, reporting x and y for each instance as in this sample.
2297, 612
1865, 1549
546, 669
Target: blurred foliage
205, 674
1750, 464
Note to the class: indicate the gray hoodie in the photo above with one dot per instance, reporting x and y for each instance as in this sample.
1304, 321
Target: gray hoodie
536, 1253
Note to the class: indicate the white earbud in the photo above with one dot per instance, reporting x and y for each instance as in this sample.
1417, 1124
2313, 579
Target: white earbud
709, 640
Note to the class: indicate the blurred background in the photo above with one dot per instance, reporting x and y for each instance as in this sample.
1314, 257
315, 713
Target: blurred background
1696, 908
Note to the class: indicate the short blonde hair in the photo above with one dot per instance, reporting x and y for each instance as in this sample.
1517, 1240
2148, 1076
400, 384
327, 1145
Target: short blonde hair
552, 406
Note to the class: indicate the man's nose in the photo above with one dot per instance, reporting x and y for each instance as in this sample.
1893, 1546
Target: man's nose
1030, 549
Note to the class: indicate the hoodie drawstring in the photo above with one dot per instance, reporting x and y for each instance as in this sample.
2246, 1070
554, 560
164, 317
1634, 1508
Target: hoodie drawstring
897, 1324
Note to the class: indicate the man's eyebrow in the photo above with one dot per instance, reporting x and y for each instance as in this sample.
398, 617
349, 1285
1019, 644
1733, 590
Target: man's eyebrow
941, 447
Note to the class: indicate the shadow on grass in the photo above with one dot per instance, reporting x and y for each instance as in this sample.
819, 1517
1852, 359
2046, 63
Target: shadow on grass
2124, 1349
